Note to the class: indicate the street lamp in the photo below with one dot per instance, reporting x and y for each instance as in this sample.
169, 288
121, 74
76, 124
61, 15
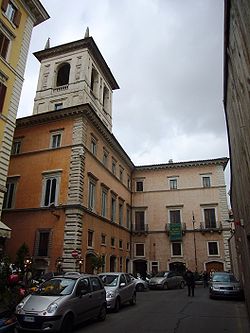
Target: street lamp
80, 263
195, 254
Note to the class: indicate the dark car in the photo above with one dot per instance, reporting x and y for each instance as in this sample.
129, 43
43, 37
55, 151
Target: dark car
223, 284
62, 302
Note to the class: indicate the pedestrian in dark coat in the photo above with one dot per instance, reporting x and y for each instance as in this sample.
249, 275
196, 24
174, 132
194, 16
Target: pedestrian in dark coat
190, 281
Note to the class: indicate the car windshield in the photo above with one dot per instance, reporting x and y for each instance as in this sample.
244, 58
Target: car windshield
56, 287
224, 278
161, 274
110, 280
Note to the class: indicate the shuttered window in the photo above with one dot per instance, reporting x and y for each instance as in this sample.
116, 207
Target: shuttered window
2, 95
12, 13
4, 45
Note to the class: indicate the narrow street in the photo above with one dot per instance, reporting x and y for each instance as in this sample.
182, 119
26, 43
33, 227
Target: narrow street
172, 311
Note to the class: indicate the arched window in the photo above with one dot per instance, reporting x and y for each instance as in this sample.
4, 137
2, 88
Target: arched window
63, 75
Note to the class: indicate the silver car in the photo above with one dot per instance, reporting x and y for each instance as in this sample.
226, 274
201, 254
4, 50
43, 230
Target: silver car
62, 302
119, 288
223, 284
167, 280
140, 284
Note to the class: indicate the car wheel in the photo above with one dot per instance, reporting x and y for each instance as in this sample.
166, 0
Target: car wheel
139, 287
67, 324
133, 300
117, 305
165, 286
182, 284
102, 313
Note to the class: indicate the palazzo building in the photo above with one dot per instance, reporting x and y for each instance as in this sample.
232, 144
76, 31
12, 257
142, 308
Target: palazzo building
75, 197
17, 19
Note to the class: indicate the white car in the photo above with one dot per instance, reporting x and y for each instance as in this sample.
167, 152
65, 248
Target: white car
140, 284
120, 289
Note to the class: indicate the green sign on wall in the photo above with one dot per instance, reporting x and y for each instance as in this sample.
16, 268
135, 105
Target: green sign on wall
175, 232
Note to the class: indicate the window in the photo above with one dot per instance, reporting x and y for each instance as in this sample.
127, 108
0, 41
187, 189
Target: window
93, 146
103, 239
92, 190
104, 202
176, 249
2, 95
58, 106
43, 241
154, 267
175, 216
139, 250
11, 12
105, 98
113, 167
4, 45
173, 184
128, 218
105, 158
120, 244
121, 264
55, 140
10, 194
209, 217
90, 238
50, 189
121, 174
112, 241
121, 213
63, 75
128, 246
139, 186
213, 249
206, 181
128, 182
94, 81
139, 221
96, 284
16, 147
113, 209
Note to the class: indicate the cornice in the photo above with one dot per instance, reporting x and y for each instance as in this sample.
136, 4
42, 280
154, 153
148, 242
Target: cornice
217, 161
39, 12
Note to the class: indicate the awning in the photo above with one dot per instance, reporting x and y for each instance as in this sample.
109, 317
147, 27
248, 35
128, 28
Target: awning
5, 231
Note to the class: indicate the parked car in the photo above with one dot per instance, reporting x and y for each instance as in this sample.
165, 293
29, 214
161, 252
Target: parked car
140, 284
167, 280
120, 289
61, 302
224, 284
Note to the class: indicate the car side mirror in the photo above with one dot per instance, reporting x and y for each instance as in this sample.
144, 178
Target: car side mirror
122, 284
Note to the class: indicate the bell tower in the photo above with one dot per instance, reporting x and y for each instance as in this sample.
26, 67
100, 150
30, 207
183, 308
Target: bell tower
73, 74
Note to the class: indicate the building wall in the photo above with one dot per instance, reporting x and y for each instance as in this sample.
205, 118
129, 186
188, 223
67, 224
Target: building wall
236, 103
190, 198
12, 72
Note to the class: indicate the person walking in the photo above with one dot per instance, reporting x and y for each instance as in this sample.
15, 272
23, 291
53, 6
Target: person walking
189, 277
205, 279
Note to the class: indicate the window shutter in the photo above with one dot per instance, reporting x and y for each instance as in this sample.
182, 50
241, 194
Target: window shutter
4, 5
17, 18
2, 95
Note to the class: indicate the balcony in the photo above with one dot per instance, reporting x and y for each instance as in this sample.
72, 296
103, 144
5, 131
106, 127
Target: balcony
61, 88
139, 229
175, 230
215, 227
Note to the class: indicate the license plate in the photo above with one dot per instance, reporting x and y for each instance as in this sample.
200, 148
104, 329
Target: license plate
29, 319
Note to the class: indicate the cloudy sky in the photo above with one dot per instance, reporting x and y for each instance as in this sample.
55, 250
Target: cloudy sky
166, 56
